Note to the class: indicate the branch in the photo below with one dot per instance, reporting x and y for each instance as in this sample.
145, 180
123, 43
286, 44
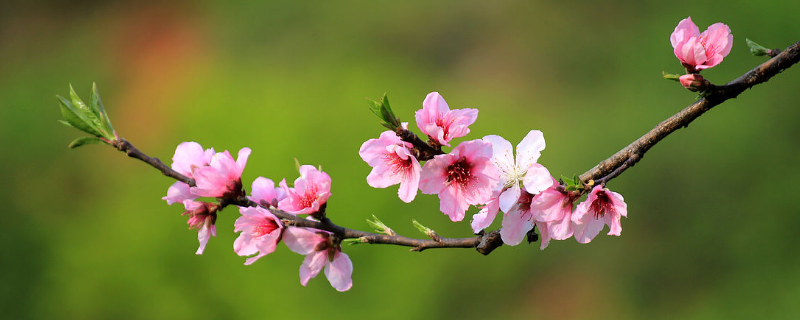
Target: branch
485, 243
630, 155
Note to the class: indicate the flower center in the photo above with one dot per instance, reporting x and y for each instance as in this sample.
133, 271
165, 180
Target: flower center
265, 228
601, 205
459, 172
397, 164
308, 198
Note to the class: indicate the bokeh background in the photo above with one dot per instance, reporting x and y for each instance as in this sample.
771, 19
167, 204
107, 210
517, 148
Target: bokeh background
713, 216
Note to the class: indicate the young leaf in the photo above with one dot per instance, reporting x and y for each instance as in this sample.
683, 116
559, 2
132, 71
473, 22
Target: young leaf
757, 49
77, 118
84, 141
98, 109
81, 107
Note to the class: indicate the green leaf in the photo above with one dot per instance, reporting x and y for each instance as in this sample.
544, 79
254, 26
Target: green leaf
670, 76
380, 227
757, 49
427, 231
77, 118
88, 113
99, 109
84, 141
384, 112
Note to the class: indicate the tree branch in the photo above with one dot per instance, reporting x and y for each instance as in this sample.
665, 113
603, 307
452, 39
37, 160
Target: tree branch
485, 243
630, 155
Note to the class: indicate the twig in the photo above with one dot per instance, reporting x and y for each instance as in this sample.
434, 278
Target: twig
485, 243
634, 152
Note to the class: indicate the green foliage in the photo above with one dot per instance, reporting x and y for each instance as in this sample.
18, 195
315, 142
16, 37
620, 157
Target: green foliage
91, 119
757, 49
384, 112
84, 141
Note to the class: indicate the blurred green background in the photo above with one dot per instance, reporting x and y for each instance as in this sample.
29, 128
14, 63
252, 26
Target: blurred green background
713, 217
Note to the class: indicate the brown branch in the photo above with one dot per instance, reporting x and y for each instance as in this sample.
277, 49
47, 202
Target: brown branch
485, 243
630, 155
127, 147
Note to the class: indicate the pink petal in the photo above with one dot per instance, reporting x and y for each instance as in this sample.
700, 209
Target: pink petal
312, 265
241, 161
563, 228
516, 224
178, 192
264, 192
205, 233
187, 155
300, 240
509, 197
339, 272
453, 203
433, 178
685, 30
585, 232
544, 234
486, 215
410, 184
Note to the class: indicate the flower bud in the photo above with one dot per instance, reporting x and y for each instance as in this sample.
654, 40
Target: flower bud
694, 82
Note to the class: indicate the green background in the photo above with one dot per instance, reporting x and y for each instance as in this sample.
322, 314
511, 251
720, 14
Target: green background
713, 216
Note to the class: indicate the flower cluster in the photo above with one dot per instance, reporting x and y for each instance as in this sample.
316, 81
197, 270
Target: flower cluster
217, 175
488, 173
697, 51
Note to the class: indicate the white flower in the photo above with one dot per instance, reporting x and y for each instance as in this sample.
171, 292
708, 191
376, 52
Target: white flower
533, 176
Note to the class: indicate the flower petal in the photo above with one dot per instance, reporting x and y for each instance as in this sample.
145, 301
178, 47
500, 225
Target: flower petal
300, 240
530, 149
339, 272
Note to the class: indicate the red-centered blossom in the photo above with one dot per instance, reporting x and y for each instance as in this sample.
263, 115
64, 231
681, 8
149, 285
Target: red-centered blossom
461, 178
265, 193
188, 157
441, 124
392, 163
311, 191
260, 233
222, 177
554, 208
601, 207
320, 253
698, 51
202, 216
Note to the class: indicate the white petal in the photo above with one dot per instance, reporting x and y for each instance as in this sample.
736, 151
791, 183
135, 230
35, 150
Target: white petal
529, 149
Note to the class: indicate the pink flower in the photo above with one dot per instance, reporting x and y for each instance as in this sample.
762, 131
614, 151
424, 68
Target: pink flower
601, 207
488, 212
265, 193
555, 208
533, 176
188, 157
260, 232
311, 191
518, 220
461, 178
441, 124
222, 177
320, 253
202, 216
392, 163
698, 51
